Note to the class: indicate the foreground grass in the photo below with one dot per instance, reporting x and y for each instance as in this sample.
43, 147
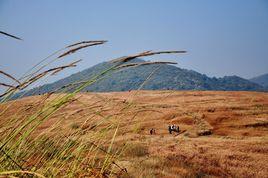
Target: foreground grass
237, 147
107, 135
25, 149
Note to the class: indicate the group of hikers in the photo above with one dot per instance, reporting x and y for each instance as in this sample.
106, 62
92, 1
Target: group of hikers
171, 128
152, 131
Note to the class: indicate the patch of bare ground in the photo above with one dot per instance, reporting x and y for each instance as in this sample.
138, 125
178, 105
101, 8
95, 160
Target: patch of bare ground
225, 133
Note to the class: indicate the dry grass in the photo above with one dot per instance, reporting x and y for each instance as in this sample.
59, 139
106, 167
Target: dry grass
9, 35
135, 150
82, 148
143, 54
79, 47
237, 147
107, 134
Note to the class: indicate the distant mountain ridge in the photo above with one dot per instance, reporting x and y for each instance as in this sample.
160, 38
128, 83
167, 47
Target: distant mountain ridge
261, 80
164, 77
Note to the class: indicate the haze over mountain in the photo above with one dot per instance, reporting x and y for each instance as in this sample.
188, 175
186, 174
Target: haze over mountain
162, 77
261, 80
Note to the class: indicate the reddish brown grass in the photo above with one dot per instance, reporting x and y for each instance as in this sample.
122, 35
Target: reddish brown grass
238, 145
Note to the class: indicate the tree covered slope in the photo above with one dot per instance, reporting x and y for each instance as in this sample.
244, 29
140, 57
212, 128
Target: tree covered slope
162, 77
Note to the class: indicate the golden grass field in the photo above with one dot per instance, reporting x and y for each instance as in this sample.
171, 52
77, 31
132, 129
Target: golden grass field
237, 147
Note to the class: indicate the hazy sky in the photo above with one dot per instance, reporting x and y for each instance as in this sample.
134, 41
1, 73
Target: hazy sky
222, 37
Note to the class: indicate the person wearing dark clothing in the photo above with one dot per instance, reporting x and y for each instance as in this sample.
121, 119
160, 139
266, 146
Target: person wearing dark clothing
173, 128
178, 129
170, 129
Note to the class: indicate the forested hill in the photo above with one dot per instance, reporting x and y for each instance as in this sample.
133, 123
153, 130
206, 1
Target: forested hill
164, 77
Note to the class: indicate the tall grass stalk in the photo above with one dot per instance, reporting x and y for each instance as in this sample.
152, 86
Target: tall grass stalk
82, 152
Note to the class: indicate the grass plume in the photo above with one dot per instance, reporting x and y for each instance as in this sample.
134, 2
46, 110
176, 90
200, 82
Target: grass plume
85, 150
9, 35
87, 44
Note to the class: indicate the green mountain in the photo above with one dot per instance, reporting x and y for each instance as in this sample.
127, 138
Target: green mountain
261, 80
163, 77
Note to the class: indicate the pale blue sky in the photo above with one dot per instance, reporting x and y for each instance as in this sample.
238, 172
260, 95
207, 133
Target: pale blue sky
222, 37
